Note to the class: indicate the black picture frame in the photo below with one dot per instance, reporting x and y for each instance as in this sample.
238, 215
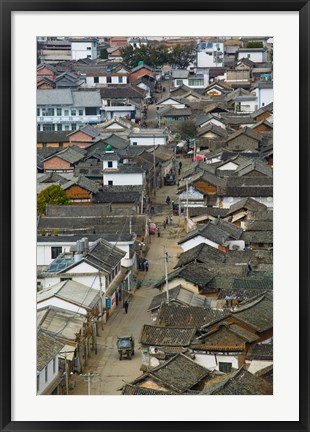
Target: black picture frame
7, 7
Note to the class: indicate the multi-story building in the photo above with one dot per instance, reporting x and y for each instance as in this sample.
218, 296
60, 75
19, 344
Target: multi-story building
84, 48
66, 109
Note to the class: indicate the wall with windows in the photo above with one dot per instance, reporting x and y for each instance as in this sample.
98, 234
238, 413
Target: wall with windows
46, 376
216, 361
118, 179
92, 81
84, 49
148, 141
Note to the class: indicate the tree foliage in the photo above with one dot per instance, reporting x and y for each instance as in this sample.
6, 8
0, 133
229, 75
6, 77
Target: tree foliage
186, 130
159, 55
53, 194
254, 44
183, 55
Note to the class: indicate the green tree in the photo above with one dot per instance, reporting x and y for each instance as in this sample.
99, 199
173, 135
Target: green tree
183, 55
53, 194
151, 55
186, 130
103, 54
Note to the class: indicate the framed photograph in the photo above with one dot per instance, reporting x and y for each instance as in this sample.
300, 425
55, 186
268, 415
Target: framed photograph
37, 34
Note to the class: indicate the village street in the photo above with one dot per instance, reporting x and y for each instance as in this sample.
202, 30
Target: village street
112, 373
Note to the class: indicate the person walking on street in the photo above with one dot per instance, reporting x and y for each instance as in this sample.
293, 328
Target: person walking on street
164, 223
146, 265
167, 220
126, 306
171, 220
158, 232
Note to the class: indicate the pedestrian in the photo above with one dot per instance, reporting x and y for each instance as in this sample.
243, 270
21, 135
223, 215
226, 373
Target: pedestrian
172, 204
146, 266
158, 232
167, 220
168, 200
171, 220
143, 265
164, 223
126, 306
180, 165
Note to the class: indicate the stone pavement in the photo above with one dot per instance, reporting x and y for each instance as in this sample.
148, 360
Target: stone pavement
113, 372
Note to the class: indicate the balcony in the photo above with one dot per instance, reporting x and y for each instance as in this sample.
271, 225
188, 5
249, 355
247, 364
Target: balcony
69, 119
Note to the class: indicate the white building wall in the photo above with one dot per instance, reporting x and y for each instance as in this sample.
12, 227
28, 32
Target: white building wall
228, 201
148, 141
57, 302
211, 361
50, 376
249, 106
123, 179
79, 50
256, 57
196, 241
205, 58
264, 96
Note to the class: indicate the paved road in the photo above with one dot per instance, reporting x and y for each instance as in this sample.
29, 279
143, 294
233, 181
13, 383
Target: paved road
113, 372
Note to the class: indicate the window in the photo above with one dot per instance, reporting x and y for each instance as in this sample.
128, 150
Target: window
109, 80
179, 82
225, 367
89, 56
134, 143
110, 182
67, 127
110, 164
90, 111
81, 112
48, 127
66, 112
195, 82
38, 111
59, 127
120, 79
56, 250
89, 48
96, 80
249, 55
48, 112
59, 112
46, 374
73, 112
54, 365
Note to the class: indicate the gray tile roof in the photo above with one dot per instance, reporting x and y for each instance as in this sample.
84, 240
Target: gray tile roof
135, 390
179, 295
257, 313
247, 204
68, 154
178, 374
201, 253
166, 336
174, 314
83, 182
260, 352
53, 136
47, 349
197, 274
69, 211
240, 382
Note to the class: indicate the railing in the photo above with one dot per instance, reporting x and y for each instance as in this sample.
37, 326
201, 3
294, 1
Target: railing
69, 119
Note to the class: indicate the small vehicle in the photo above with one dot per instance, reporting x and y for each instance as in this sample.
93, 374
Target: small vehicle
169, 179
126, 346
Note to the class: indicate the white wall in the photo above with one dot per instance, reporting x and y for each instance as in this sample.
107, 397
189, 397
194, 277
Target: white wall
264, 96
44, 252
123, 179
210, 361
206, 60
50, 375
79, 50
256, 57
196, 241
114, 164
90, 80
249, 106
228, 201
150, 141
57, 302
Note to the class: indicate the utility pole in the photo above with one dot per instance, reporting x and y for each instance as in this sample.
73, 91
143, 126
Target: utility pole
154, 167
90, 379
101, 301
166, 274
187, 206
